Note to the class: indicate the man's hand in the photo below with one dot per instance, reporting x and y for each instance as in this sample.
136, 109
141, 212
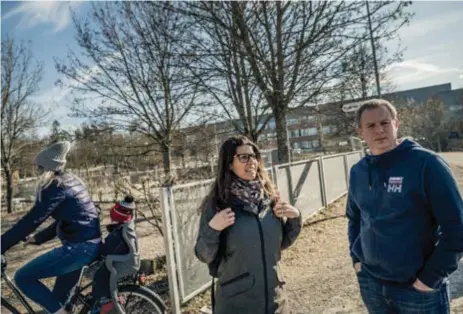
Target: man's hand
358, 267
282, 209
222, 219
418, 285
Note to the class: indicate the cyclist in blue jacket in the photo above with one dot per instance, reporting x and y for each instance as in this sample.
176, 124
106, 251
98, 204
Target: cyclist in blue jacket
64, 197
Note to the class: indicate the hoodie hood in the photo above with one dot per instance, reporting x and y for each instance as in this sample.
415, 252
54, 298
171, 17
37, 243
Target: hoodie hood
386, 159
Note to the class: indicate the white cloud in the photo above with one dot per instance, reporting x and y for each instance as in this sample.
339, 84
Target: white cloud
460, 76
33, 13
419, 65
417, 70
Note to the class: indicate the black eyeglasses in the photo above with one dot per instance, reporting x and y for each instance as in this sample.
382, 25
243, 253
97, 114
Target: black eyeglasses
244, 158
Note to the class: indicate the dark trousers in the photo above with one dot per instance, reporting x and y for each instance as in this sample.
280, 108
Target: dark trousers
65, 263
388, 298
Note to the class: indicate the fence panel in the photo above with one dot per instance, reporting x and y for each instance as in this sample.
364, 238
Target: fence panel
193, 275
306, 188
352, 159
335, 177
282, 182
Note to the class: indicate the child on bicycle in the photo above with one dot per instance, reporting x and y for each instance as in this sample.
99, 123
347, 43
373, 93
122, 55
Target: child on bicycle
114, 244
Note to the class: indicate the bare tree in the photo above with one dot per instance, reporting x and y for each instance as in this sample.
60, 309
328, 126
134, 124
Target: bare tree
426, 122
138, 52
20, 79
226, 75
358, 71
293, 48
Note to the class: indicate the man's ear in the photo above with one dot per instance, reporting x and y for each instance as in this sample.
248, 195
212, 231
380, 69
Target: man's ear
396, 122
359, 132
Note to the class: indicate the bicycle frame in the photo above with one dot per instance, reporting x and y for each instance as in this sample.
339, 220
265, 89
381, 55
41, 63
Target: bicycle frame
75, 295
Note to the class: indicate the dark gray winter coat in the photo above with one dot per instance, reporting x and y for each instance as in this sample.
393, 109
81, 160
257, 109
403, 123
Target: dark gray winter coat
249, 278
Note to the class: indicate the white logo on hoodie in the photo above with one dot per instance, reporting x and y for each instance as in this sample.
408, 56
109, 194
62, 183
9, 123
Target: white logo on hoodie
395, 185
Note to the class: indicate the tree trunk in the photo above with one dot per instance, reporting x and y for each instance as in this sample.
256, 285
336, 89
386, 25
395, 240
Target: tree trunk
282, 135
9, 190
166, 151
252, 135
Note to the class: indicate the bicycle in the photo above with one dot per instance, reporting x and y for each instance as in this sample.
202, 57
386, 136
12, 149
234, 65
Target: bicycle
82, 302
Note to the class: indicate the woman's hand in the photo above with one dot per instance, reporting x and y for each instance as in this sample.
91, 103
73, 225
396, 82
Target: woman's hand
30, 240
283, 209
222, 219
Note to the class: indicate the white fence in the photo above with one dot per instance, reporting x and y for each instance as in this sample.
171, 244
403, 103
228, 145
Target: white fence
309, 185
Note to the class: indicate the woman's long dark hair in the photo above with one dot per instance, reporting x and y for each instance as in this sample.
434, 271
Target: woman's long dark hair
219, 193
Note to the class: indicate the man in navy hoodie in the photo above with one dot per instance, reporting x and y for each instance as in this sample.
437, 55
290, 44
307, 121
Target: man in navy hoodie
405, 216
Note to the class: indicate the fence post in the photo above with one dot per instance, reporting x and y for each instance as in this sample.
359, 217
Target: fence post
321, 171
274, 175
346, 170
166, 201
292, 201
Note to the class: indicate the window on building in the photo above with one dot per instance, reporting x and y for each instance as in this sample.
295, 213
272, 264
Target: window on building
308, 118
294, 133
296, 145
308, 131
292, 121
326, 129
315, 143
306, 144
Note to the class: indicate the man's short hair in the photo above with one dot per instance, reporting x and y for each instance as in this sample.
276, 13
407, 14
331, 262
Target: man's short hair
373, 104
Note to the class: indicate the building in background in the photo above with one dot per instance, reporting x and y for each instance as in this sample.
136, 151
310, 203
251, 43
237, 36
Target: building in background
326, 128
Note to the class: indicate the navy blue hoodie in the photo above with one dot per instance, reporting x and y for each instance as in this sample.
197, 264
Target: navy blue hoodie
405, 216
67, 200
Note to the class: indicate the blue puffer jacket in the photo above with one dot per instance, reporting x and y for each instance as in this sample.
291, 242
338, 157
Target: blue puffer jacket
67, 200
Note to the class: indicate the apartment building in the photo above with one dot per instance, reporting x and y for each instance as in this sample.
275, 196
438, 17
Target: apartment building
324, 128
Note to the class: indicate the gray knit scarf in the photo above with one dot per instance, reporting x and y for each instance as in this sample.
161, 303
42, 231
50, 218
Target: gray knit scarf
249, 192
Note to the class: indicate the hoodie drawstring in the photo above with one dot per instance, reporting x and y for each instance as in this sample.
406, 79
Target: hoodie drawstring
369, 176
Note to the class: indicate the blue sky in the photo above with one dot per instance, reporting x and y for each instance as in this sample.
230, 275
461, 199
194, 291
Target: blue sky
434, 43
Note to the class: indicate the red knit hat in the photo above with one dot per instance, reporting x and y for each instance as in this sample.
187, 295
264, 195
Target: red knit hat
122, 211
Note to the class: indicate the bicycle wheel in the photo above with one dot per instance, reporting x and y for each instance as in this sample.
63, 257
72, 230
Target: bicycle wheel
138, 299
9, 307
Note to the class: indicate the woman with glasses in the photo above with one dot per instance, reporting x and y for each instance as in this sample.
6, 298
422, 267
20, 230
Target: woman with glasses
244, 227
